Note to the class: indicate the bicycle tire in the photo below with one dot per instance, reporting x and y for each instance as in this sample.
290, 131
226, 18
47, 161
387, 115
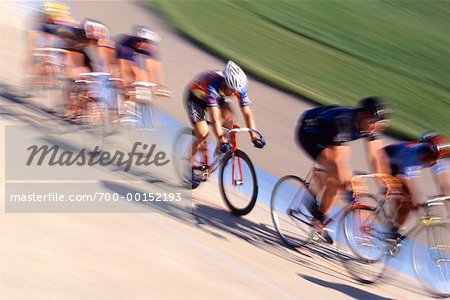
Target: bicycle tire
369, 239
438, 240
179, 159
292, 239
238, 211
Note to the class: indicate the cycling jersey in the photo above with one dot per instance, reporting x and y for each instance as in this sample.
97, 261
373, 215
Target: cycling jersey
409, 158
206, 87
326, 126
332, 124
127, 47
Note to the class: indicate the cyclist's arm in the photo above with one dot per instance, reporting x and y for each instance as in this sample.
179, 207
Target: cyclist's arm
154, 68
383, 165
249, 119
373, 153
343, 167
217, 123
442, 176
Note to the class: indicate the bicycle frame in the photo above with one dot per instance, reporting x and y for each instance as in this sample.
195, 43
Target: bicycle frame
427, 220
237, 170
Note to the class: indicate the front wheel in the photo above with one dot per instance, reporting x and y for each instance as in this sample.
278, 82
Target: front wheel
431, 256
238, 183
290, 205
365, 233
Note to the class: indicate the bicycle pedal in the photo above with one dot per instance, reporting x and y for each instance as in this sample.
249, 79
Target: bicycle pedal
394, 249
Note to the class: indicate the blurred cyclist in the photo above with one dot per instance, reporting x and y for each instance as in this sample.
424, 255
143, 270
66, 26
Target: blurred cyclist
405, 161
44, 32
144, 67
207, 92
324, 132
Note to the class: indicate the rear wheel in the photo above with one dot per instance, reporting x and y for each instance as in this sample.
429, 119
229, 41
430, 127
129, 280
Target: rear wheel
181, 151
289, 206
238, 182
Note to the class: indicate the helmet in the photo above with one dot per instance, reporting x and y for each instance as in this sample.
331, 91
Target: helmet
56, 9
95, 30
439, 143
147, 34
235, 78
375, 107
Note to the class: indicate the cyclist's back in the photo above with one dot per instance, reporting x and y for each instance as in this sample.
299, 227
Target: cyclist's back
406, 158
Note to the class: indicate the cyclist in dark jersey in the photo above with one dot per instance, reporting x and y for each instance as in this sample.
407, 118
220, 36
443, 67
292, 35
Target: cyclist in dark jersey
406, 160
143, 42
324, 132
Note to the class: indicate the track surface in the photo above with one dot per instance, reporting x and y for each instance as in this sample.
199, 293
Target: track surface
173, 254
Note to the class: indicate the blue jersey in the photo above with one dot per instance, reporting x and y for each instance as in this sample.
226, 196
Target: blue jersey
128, 45
332, 124
408, 158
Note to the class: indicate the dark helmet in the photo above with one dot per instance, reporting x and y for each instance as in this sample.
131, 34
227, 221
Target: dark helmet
375, 107
439, 144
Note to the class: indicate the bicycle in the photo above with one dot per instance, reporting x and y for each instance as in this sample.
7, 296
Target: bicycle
291, 203
48, 77
430, 239
88, 107
237, 176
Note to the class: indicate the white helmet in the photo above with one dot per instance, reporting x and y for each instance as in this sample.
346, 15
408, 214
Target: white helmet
95, 30
145, 33
235, 78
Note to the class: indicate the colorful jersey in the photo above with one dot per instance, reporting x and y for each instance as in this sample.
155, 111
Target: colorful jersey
332, 124
409, 158
206, 86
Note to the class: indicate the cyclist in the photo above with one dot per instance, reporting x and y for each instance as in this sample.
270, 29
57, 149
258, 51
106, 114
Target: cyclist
149, 68
405, 161
324, 132
207, 92
44, 33
89, 50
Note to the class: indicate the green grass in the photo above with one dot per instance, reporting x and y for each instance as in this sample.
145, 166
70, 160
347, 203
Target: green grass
335, 51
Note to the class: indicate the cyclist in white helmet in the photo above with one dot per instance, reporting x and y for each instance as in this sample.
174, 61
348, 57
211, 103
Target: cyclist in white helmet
208, 91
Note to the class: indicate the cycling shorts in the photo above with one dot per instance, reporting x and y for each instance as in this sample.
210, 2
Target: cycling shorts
312, 144
196, 107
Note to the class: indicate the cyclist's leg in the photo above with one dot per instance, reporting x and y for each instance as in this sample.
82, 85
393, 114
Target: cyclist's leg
196, 114
313, 147
335, 161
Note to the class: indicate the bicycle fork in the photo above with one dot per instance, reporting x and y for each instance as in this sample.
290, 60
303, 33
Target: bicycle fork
237, 177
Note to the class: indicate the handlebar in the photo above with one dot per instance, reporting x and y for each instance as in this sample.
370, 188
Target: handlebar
235, 130
94, 74
144, 84
436, 200
55, 50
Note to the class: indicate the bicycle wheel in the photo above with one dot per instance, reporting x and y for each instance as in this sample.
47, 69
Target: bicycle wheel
365, 233
294, 227
181, 151
431, 257
238, 183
